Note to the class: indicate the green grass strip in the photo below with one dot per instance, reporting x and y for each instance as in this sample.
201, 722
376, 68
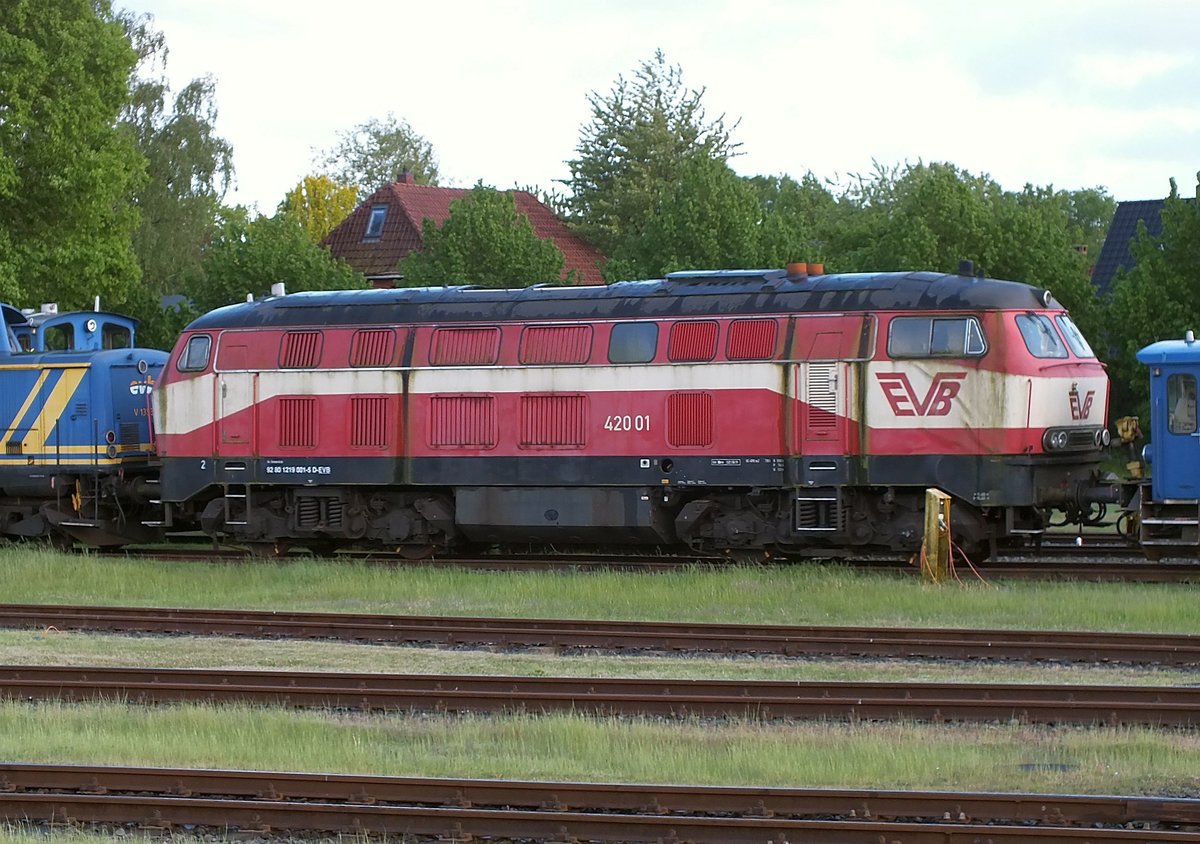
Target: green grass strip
802, 594
1006, 757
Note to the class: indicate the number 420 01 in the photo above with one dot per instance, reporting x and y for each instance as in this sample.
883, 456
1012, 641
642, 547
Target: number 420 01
638, 422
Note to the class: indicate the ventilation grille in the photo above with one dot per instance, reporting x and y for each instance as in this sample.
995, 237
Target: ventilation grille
752, 339
822, 396
556, 344
462, 421
692, 341
372, 347
129, 436
689, 419
553, 421
301, 350
298, 422
465, 346
369, 422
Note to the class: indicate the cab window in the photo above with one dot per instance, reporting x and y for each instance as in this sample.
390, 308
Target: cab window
59, 338
936, 337
116, 337
1181, 400
195, 353
1039, 335
1075, 338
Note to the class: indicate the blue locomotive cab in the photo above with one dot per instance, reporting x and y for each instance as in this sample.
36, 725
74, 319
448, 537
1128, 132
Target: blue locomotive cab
1174, 449
77, 461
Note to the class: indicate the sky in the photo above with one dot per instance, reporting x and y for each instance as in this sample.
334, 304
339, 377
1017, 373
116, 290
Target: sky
1096, 94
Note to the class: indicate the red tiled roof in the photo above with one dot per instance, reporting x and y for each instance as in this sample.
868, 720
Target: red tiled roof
409, 204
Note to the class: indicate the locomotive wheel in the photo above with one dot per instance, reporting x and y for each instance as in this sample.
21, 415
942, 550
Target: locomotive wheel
415, 552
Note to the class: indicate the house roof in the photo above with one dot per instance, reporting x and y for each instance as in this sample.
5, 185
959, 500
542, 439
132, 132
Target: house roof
408, 204
1115, 254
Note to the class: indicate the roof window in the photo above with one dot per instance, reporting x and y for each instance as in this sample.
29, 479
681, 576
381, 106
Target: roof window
375, 223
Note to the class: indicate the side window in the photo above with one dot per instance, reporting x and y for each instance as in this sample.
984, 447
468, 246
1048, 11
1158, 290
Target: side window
59, 338
116, 337
1075, 338
195, 353
633, 342
1181, 403
939, 337
1039, 335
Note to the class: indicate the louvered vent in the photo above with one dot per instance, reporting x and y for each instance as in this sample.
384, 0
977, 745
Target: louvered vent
690, 419
465, 346
368, 422
822, 396
300, 350
556, 344
129, 436
553, 421
692, 341
752, 339
298, 422
462, 421
372, 347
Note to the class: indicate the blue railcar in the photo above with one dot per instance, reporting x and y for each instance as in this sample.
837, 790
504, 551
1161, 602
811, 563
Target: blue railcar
78, 456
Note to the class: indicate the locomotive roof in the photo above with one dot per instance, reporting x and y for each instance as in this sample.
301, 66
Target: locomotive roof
708, 293
1170, 351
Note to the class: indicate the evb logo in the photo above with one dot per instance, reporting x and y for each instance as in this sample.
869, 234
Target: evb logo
937, 401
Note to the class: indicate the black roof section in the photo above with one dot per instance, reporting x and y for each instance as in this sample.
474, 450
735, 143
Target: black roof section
1115, 254
716, 293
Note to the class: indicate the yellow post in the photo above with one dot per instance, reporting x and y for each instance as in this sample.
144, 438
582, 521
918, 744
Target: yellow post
935, 551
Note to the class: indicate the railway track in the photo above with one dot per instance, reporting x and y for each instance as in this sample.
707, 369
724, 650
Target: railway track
1163, 706
779, 640
454, 809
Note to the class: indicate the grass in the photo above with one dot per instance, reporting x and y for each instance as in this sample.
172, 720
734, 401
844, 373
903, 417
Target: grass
570, 747
26, 647
803, 594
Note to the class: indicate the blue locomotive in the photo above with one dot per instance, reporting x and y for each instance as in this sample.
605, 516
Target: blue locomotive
78, 448
1167, 506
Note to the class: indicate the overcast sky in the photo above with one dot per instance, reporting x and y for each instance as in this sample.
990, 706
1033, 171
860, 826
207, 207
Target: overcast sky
1102, 93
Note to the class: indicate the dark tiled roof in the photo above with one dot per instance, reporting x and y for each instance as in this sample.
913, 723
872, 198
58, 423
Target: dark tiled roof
409, 204
1115, 254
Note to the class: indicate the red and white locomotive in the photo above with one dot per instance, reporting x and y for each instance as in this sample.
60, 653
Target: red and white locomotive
708, 410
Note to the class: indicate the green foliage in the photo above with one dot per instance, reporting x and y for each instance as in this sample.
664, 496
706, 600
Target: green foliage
319, 204
373, 153
248, 256
66, 172
634, 149
931, 216
484, 241
708, 217
189, 169
1159, 299
797, 218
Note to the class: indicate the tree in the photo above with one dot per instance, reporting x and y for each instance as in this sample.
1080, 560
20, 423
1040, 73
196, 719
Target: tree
1158, 299
66, 171
797, 218
373, 153
931, 216
634, 148
484, 241
319, 204
249, 255
708, 218
189, 170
